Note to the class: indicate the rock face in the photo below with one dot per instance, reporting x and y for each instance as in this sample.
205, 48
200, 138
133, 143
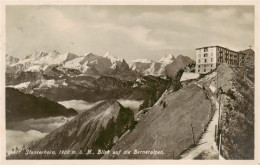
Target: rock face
97, 128
166, 128
20, 106
181, 61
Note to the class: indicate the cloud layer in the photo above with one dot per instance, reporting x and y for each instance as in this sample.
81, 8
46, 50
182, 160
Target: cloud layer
127, 31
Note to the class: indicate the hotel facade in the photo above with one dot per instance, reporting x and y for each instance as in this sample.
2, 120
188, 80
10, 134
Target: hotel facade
207, 58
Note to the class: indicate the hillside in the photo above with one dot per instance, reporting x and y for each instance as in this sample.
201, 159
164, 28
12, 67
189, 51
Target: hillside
238, 117
168, 129
98, 128
237, 110
20, 106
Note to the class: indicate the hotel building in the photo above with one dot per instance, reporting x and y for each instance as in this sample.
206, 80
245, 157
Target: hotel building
207, 58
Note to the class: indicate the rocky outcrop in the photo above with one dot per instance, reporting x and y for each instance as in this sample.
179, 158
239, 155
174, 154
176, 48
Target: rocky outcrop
181, 61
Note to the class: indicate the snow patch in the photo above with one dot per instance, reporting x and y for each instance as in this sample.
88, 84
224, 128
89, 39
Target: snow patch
142, 61
139, 80
48, 83
167, 59
212, 87
113, 59
64, 84
20, 86
208, 77
189, 76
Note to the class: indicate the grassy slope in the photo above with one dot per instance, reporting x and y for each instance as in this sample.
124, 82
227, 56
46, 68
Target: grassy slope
168, 129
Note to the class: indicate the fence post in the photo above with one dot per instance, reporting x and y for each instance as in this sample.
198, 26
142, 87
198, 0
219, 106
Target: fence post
192, 134
219, 145
215, 133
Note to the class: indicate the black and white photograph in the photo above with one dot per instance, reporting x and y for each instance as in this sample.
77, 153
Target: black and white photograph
129, 82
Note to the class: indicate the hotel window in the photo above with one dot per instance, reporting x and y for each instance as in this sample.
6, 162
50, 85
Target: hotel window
205, 55
205, 60
198, 70
211, 59
205, 49
199, 66
199, 61
211, 65
205, 70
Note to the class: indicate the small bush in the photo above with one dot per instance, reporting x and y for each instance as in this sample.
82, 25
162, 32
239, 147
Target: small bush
164, 105
161, 102
230, 93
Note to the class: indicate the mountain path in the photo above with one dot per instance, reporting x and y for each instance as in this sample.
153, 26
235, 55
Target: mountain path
206, 148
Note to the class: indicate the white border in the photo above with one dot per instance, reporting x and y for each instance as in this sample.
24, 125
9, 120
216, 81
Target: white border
126, 2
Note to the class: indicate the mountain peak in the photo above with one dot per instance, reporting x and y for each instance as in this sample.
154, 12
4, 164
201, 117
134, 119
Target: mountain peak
167, 59
54, 53
11, 60
89, 54
107, 54
181, 56
36, 55
113, 58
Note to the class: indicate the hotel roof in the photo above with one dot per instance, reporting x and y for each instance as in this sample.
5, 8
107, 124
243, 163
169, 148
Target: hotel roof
219, 47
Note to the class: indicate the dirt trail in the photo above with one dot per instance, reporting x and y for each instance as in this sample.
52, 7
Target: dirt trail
206, 148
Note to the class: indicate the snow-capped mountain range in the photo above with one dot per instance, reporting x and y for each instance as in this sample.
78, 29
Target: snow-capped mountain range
149, 67
9, 60
88, 64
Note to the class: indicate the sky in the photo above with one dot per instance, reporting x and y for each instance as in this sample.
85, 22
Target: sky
129, 32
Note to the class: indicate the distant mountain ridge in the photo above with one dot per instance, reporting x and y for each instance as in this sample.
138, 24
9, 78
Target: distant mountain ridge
149, 67
70, 64
20, 106
10, 60
62, 77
